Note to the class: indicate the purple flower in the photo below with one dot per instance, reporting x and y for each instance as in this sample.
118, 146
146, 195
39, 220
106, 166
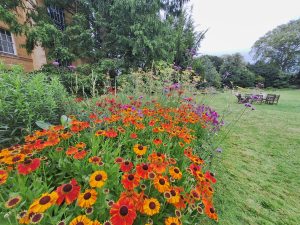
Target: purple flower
189, 68
219, 150
55, 63
248, 105
72, 67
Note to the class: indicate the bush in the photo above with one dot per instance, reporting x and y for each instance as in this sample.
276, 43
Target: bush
24, 99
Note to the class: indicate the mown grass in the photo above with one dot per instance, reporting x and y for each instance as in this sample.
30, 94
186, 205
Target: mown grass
258, 171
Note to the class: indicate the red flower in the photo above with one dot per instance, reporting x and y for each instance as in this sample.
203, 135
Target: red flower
29, 166
133, 136
80, 155
157, 141
68, 192
123, 213
130, 181
126, 166
210, 176
143, 170
111, 133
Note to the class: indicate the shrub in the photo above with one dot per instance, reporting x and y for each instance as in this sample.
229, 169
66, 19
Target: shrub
24, 99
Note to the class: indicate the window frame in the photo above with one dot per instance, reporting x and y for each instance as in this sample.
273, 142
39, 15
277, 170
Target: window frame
57, 16
12, 42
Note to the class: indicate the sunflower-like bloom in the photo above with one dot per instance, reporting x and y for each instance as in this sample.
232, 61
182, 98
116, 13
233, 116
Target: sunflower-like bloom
98, 178
172, 221
151, 206
82, 220
41, 204
175, 172
123, 213
87, 199
68, 192
161, 183
140, 149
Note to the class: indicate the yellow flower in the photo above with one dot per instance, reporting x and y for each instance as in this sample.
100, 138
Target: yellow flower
82, 220
151, 206
175, 172
172, 221
161, 184
98, 179
139, 149
87, 199
43, 203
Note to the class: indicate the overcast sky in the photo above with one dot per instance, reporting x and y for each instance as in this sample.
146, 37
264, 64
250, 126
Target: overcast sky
234, 25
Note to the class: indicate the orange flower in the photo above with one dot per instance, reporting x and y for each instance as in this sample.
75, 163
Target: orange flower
161, 183
172, 221
175, 172
3, 176
14, 159
80, 155
133, 136
29, 166
126, 166
157, 141
130, 181
143, 169
122, 213
71, 150
68, 192
81, 220
95, 159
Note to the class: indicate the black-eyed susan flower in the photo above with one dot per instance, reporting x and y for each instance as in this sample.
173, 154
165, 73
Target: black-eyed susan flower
95, 160
98, 178
175, 172
95, 222
172, 221
126, 166
151, 206
28, 166
41, 204
12, 202
87, 199
161, 183
81, 220
143, 169
123, 212
139, 149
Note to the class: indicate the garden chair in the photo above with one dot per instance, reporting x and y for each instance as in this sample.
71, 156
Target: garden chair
276, 99
270, 99
258, 99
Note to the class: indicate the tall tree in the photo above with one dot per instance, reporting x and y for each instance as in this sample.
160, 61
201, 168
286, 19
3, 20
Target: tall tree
134, 32
281, 47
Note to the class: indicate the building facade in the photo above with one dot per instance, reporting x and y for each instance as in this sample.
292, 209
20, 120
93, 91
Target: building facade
11, 50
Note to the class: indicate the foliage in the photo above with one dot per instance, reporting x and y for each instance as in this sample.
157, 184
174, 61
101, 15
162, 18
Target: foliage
134, 161
271, 74
281, 47
234, 70
135, 32
211, 76
216, 60
24, 99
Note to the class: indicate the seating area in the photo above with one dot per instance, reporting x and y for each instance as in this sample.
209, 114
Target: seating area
269, 99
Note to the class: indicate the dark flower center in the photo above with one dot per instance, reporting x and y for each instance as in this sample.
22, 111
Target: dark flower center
61, 223
126, 163
98, 177
124, 210
176, 170
27, 161
140, 147
44, 200
173, 193
36, 217
212, 174
16, 159
173, 224
130, 177
152, 205
162, 181
158, 154
195, 194
87, 196
212, 210
80, 223
67, 188
13, 201
210, 189
145, 167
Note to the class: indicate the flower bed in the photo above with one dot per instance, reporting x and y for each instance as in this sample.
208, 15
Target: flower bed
135, 163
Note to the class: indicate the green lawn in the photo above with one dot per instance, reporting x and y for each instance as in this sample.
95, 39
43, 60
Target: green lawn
258, 171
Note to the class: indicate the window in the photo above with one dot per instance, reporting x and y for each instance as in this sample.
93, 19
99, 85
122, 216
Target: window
6, 42
57, 15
